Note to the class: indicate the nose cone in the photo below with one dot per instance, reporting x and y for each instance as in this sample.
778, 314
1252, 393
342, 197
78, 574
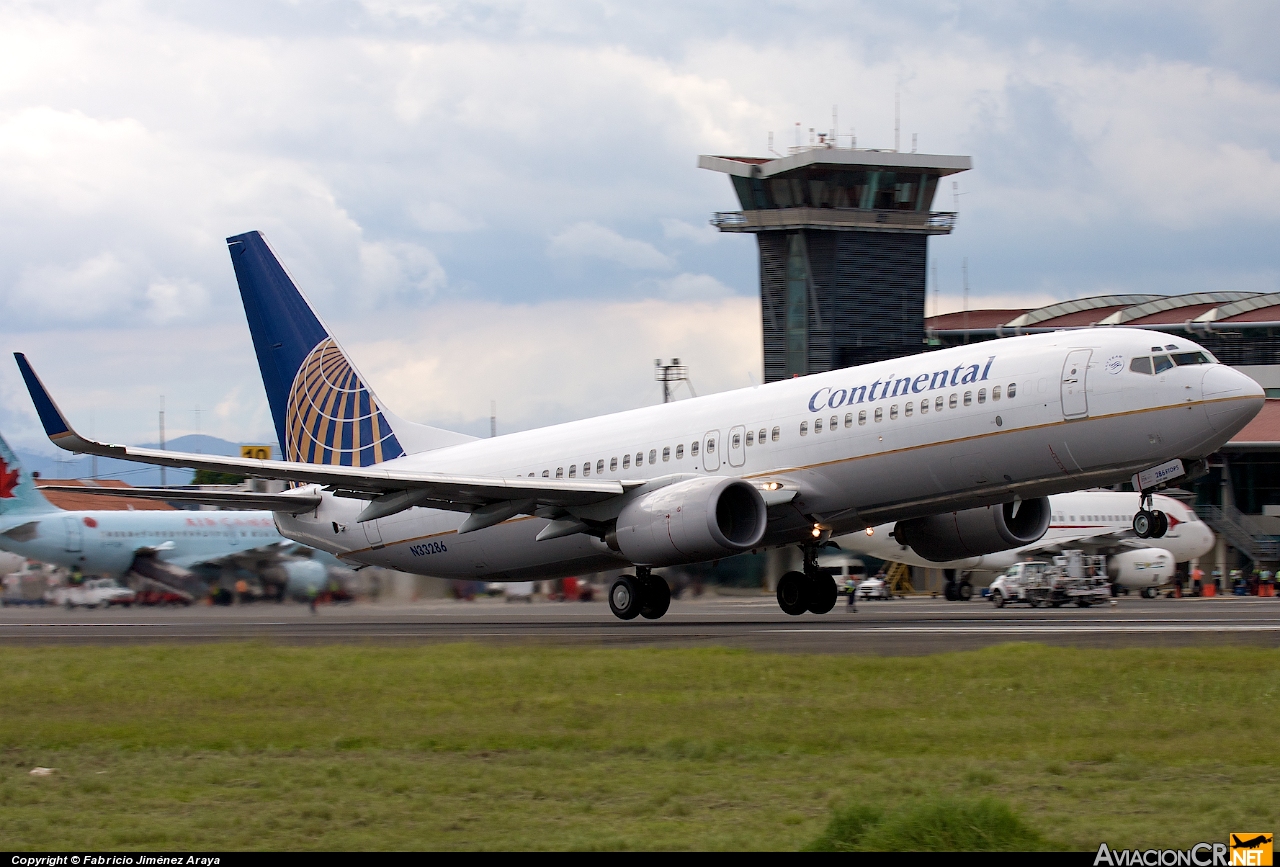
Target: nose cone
1231, 399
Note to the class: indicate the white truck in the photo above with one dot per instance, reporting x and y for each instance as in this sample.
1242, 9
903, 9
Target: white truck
93, 593
1072, 577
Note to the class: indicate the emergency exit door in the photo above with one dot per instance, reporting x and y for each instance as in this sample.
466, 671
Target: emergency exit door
1075, 371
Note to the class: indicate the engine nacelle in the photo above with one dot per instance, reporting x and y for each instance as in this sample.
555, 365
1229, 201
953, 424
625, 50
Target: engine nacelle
974, 532
1141, 568
697, 519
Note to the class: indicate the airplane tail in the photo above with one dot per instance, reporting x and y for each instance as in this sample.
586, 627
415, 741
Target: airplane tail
324, 411
18, 492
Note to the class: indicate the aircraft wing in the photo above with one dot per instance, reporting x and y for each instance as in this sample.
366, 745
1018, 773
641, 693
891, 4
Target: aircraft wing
391, 490
292, 502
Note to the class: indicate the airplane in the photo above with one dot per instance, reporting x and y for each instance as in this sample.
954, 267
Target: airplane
985, 432
1097, 522
110, 544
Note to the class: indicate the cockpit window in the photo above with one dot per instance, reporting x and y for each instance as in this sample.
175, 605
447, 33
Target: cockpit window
1181, 358
1141, 364
1162, 363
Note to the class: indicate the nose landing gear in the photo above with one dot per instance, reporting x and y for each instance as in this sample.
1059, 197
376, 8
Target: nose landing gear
1149, 523
811, 590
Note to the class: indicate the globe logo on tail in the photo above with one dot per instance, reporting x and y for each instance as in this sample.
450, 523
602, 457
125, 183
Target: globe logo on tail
332, 417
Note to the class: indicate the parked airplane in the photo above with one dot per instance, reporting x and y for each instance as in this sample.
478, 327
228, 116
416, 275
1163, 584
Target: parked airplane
1097, 522
990, 429
112, 543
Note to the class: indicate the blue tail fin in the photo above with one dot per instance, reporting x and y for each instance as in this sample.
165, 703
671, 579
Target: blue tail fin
324, 411
18, 493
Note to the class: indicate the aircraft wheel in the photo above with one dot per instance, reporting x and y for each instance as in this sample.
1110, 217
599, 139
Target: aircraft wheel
1143, 524
793, 590
656, 598
1082, 602
1148, 593
949, 592
822, 593
997, 598
625, 598
1161, 524
1035, 601
964, 591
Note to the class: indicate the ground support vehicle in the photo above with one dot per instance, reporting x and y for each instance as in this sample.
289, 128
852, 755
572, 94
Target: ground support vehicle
1073, 577
94, 593
873, 588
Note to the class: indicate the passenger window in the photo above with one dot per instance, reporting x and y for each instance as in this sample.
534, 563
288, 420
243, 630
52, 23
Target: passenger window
760, 436
995, 393
776, 435
924, 406
937, 404
573, 470
834, 422
586, 468
639, 459
559, 472
693, 449
737, 441
952, 402
968, 398
1141, 365
879, 414
848, 419
893, 412
804, 428
862, 416
613, 465
711, 446
907, 410
653, 456
626, 462
751, 439
1013, 390
599, 466
817, 425
546, 474
1162, 363
666, 454
982, 395
680, 452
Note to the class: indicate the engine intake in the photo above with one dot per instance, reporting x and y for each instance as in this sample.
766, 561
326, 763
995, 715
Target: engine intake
974, 532
697, 519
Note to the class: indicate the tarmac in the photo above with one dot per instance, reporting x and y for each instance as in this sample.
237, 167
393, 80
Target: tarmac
911, 626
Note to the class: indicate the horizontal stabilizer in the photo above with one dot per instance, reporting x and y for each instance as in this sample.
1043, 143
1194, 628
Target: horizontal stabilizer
291, 503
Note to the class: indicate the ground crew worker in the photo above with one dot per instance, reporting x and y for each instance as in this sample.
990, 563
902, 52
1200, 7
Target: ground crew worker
312, 593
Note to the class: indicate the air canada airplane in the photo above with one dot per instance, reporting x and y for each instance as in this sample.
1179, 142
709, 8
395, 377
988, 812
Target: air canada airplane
985, 431
1097, 522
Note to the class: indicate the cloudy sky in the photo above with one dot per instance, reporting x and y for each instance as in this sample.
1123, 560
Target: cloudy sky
499, 201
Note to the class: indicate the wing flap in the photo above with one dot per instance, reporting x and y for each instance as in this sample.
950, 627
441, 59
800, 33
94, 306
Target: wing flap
292, 503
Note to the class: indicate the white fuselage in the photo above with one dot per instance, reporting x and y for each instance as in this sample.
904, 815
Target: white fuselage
1070, 414
1087, 520
101, 542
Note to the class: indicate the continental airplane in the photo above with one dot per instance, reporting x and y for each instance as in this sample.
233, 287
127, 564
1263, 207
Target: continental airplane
113, 543
1097, 522
987, 432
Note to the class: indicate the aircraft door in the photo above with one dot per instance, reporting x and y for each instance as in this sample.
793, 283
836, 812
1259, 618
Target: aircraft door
75, 539
1075, 371
372, 533
711, 451
737, 454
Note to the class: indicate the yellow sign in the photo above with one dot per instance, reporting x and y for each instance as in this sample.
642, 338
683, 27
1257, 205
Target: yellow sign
1251, 850
261, 453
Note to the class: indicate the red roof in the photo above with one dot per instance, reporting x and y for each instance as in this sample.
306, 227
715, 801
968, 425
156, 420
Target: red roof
74, 501
1175, 316
976, 319
1265, 427
1262, 314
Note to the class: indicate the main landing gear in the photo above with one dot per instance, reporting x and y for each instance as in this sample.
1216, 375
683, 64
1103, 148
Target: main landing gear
1149, 523
956, 591
641, 595
811, 590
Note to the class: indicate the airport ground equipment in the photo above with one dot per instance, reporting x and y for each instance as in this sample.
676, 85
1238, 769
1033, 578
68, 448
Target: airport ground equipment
1073, 578
874, 587
94, 593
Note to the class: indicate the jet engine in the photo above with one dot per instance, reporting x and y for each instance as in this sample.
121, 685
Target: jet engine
973, 532
1141, 568
697, 519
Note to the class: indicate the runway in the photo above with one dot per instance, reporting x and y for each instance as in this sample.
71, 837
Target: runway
898, 627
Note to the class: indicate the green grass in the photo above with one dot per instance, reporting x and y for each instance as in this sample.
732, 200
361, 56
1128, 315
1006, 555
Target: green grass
258, 746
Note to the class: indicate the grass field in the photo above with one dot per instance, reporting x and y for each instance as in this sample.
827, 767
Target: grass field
226, 746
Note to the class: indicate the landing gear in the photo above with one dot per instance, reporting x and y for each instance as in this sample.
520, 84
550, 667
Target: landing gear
641, 595
964, 591
811, 590
1149, 523
957, 591
1148, 593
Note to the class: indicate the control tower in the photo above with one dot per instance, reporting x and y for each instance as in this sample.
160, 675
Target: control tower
842, 234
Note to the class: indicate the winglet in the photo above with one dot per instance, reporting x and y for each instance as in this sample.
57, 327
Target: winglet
55, 423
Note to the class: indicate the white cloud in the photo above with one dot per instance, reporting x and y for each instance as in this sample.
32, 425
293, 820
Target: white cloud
407, 271
679, 230
693, 287
589, 240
